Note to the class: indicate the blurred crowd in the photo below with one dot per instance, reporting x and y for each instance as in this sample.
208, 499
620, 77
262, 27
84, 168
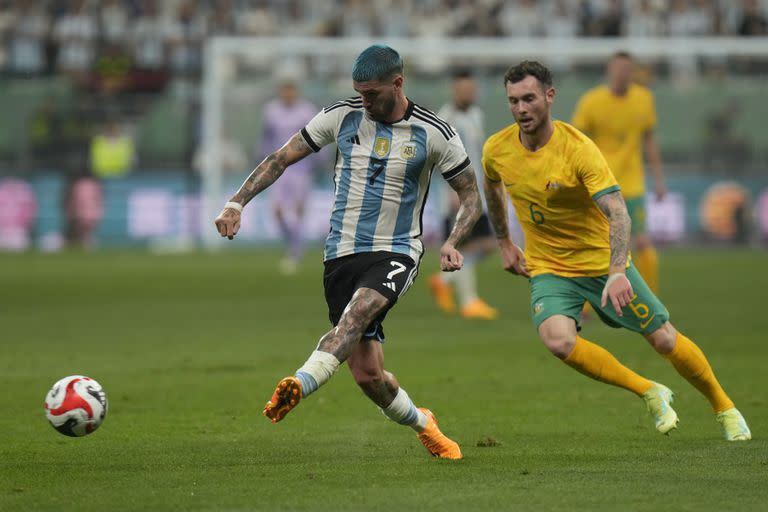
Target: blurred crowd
43, 36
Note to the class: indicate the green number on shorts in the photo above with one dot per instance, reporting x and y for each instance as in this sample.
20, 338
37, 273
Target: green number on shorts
536, 215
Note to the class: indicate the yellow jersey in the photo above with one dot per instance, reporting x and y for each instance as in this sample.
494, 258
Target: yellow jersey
618, 125
553, 191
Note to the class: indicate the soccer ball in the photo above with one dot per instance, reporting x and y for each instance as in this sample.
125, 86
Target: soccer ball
76, 405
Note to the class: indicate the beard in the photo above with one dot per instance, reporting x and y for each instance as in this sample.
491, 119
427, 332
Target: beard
530, 127
383, 112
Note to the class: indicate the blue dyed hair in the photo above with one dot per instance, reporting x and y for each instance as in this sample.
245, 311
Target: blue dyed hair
376, 63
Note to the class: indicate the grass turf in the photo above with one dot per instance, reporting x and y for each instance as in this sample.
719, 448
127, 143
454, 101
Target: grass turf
189, 347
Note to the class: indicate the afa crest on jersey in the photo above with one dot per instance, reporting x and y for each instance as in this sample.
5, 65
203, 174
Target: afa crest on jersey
409, 150
381, 146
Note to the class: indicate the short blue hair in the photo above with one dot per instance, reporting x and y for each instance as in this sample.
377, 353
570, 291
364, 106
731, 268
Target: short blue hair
376, 63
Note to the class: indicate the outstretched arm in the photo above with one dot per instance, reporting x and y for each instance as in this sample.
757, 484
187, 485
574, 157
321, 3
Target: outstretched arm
265, 174
618, 288
271, 168
470, 208
512, 256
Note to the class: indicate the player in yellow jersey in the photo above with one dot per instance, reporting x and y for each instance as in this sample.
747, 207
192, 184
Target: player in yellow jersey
620, 117
577, 230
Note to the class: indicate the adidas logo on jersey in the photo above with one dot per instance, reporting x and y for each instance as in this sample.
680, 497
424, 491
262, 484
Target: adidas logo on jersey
390, 285
354, 140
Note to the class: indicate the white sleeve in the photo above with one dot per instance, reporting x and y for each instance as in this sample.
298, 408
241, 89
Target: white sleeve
450, 156
321, 129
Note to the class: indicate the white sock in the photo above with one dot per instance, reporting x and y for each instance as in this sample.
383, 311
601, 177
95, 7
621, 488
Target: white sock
466, 283
404, 412
448, 277
318, 369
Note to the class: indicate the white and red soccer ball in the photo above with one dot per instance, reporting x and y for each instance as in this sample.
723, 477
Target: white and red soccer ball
76, 405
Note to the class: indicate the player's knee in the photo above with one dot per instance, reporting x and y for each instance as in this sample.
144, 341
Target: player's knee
368, 377
559, 335
561, 345
663, 339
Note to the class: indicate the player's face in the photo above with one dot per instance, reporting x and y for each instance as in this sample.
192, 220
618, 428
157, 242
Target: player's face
530, 103
620, 71
288, 93
464, 92
379, 98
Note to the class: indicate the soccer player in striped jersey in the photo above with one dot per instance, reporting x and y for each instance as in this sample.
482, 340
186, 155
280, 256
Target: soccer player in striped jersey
388, 148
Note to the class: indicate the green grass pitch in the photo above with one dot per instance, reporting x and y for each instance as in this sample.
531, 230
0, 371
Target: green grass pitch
189, 347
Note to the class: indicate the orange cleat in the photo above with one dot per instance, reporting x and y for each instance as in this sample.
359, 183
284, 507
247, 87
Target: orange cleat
287, 395
443, 294
479, 310
436, 442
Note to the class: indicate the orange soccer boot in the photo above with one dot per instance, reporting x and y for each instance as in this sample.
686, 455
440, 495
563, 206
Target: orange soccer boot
443, 294
287, 395
479, 310
435, 441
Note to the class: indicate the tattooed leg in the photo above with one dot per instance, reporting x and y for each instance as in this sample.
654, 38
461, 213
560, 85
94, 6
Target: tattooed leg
365, 306
337, 345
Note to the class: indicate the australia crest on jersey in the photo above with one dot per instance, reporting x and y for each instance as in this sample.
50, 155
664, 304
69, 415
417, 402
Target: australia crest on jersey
381, 146
409, 150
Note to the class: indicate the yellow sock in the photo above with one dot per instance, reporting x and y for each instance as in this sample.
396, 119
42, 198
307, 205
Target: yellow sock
596, 362
647, 261
690, 362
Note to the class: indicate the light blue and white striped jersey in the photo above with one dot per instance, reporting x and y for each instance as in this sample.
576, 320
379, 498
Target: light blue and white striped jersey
382, 175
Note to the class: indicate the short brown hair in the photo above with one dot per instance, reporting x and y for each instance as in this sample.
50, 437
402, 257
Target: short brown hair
529, 68
622, 54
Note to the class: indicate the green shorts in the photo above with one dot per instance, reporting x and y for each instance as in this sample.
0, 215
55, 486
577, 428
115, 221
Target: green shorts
636, 209
556, 295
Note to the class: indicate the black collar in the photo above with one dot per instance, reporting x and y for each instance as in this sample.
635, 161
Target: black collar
408, 111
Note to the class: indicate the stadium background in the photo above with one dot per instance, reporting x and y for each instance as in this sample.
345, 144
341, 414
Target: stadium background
73, 70
189, 344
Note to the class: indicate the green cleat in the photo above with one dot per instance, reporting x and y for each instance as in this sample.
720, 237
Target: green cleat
734, 425
658, 400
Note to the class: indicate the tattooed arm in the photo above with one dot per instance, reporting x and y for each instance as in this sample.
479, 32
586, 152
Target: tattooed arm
470, 205
265, 174
612, 205
512, 257
470, 208
617, 288
271, 168
496, 197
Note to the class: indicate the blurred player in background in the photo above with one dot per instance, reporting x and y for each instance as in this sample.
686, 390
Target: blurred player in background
577, 250
620, 117
468, 120
284, 116
387, 149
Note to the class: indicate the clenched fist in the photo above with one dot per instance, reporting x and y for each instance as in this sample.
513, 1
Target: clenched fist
228, 222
